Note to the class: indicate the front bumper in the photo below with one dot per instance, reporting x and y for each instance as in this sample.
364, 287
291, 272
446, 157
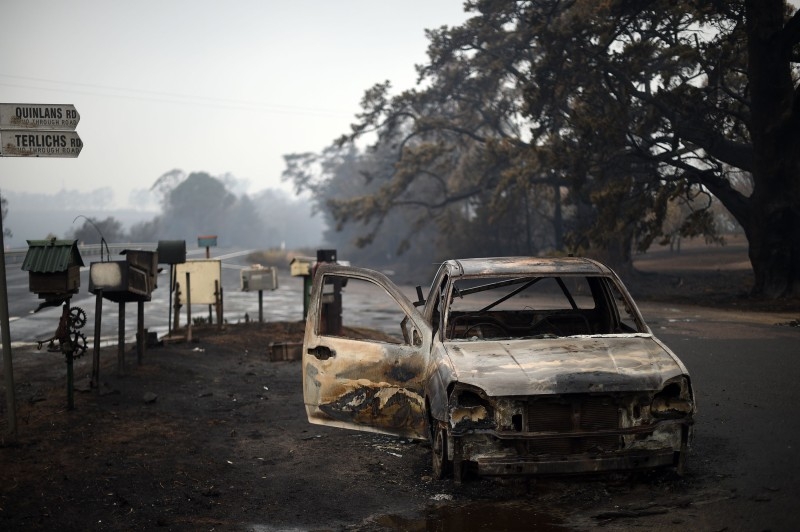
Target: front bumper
505, 453
575, 464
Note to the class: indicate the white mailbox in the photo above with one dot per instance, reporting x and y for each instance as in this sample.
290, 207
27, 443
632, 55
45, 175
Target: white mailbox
120, 281
259, 278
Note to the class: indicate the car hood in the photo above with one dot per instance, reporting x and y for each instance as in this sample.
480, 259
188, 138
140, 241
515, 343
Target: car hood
576, 364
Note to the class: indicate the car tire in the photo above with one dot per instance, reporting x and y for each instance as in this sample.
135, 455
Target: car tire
439, 460
680, 461
458, 465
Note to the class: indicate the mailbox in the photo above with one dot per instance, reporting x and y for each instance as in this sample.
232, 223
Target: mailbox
53, 267
326, 255
120, 281
301, 266
259, 278
132, 279
145, 260
171, 251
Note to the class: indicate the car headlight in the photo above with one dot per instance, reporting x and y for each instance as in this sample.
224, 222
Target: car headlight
470, 409
674, 401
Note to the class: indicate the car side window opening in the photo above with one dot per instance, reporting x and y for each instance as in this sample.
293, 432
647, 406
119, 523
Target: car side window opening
625, 321
534, 306
437, 304
384, 320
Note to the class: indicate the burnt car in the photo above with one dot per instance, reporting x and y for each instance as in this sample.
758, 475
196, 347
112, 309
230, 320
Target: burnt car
510, 366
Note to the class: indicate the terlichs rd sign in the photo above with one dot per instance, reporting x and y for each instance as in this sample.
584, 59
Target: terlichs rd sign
39, 130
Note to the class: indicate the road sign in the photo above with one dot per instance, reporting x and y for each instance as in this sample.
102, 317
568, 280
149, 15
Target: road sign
34, 143
38, 116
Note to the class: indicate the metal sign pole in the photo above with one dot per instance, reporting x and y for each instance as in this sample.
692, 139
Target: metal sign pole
68, 349
188, 308
8, 366
121, 340
98, 318
171, 288
140, 339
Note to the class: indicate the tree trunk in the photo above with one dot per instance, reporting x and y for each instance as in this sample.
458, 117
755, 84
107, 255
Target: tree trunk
617, 254
773, 228
774, 237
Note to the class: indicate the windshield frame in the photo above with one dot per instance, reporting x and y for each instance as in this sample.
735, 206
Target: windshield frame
622, 309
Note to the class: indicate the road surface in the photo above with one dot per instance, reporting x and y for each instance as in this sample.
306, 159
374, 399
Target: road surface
28, 327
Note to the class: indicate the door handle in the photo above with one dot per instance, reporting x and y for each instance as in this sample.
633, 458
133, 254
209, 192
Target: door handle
321, 352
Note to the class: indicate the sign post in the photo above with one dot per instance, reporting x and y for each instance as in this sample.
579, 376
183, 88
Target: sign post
30, 130
8, 368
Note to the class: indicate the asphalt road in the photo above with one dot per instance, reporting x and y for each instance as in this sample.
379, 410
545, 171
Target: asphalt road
745, 370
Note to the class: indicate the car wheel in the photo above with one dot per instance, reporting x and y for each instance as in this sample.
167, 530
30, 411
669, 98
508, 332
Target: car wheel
680, 461
439, 452
459, 466
680, 456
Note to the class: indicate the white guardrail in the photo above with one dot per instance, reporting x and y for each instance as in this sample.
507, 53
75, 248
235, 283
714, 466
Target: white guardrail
16, 256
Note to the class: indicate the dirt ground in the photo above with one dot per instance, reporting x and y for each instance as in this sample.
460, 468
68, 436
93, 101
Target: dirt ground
212, 435
202, 436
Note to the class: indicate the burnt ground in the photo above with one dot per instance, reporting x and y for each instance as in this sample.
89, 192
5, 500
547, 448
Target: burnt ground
212, 435
703, 275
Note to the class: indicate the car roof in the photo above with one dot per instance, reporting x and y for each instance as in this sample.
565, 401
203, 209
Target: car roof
525, 265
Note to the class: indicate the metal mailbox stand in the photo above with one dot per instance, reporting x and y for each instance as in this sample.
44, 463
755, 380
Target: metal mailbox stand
171, 252
259, 278
331, 310
123, 281
53, 268
301, 267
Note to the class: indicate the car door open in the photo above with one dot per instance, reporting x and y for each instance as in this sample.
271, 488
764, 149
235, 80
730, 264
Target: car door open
364, 354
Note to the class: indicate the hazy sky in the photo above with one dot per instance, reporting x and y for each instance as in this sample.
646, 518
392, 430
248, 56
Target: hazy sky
201, 85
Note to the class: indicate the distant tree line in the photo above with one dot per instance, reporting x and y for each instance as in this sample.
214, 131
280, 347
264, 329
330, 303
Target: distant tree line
598, 128
200, 204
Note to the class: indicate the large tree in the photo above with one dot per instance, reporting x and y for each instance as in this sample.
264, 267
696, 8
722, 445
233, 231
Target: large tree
200, 204
771, 214
720, 101
628, 104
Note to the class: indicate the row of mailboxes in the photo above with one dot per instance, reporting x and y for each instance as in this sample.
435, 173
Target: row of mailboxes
54, 272
54, 265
